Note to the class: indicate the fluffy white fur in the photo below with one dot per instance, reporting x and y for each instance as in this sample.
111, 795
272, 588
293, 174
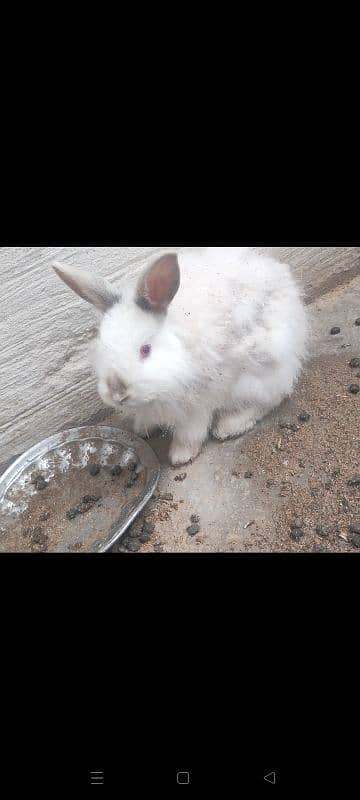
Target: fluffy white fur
228, 350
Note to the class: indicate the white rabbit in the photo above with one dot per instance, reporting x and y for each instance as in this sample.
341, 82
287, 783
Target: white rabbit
211, 339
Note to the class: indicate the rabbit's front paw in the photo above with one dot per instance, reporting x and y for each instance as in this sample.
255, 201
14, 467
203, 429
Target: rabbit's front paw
181, 454
187, 442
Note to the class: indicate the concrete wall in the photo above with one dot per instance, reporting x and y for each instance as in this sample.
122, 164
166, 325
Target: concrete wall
45, 381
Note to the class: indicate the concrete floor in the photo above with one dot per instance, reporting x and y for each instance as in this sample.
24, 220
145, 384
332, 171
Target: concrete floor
227, 502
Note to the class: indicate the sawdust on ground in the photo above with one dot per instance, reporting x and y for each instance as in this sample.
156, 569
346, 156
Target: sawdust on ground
309, 469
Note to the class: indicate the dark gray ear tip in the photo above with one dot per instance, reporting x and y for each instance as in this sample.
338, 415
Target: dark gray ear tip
57, 267
173, 259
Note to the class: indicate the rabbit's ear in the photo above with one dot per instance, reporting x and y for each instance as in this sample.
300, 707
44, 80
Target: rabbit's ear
90, 287
159, 284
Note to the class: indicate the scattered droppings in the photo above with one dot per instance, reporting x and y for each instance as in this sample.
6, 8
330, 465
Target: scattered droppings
195, 519
248, 475
163, 515
90, 498
354, 388
354, 481
86, 505
133, 533
94, 470
144, 538
122, 543
35, 476
132, 480
193, 530
312, 454
334, 331
345, 507
41, 484
71, 509
31, 531
117, 470
289, 426
148, 527
38, 538
296, 534
133, 545
298, 523
304, 416
183, 475
236, 473
355, 527
354, 363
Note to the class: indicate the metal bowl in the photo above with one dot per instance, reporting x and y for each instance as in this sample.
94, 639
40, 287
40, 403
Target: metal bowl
74, 448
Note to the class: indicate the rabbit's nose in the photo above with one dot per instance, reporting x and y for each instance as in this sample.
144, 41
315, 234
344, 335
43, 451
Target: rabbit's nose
117, 388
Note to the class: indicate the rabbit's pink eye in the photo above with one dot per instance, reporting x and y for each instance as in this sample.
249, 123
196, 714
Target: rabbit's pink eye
145, 351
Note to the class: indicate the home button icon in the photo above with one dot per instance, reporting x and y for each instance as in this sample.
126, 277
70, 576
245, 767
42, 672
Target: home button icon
183, 778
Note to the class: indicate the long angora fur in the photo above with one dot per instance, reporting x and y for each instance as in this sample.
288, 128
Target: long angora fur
211, 339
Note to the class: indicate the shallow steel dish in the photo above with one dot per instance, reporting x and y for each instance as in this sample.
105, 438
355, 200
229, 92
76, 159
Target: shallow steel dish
73, 447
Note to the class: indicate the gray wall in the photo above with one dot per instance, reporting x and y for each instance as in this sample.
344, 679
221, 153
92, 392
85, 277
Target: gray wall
45, 381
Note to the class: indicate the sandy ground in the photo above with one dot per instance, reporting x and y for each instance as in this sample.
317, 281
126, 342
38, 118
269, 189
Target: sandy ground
299, 497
